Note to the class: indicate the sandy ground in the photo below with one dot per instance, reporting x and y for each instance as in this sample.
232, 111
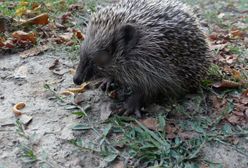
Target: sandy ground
51, 122
22, 80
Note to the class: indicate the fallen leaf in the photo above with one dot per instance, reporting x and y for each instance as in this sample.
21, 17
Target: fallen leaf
66, 36
233, 119
238, 113
236, 34
81, 89
21, 11
17, 107
244, 100
236, 74
23, 3
245, 93
34, 51
74, 7
150, 123
231, 58
23, 36
67, 93
54, 64
171, 130
221, 15
226, 84
78, 34
105, 111
218, 47
232, 139
187, 135
213, 36
8, 44
60, 72
119, 164
2, 42
35, 6
246, 113
72, 71
69, 43
41, 19
65, 17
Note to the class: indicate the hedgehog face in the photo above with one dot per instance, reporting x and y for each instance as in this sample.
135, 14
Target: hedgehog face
92, 63
99, 53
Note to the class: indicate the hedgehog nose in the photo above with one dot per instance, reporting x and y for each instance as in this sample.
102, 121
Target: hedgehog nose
77, 80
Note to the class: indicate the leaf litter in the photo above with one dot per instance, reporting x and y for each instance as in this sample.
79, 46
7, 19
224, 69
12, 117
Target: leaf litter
146, 143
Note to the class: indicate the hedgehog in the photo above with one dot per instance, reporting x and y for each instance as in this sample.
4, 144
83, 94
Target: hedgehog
154, 47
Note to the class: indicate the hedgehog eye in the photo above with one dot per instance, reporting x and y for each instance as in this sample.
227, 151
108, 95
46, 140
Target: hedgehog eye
102, 58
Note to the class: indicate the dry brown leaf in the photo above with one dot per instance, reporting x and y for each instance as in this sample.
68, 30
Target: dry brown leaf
236, 74
171, 130
150, 123
67, 93
17, 107
78, 34
21, 11
226, 84
234, 140
23, 36
81, 89
238, 113
41, 19
69, 43
236, 34
187, 135
231, 58
119, 164
218, 47
65, 17
72, 71
9, 44
246, 113
34, 51
244, 100
66, 36
74, 7
245, 93
233, 119
23, 3
2, 42
35, 6
213, 36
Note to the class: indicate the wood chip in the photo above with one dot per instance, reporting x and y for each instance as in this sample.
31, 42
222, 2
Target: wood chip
34, 51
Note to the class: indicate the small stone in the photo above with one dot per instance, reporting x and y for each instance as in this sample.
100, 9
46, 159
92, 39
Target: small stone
21, 72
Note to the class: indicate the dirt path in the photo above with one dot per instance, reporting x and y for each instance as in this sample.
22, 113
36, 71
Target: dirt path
50, 131
51, 122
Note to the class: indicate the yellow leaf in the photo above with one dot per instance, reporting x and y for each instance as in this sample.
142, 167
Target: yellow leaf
23, 3
21, 11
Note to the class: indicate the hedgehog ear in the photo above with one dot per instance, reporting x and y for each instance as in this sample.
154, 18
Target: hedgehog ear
127, 35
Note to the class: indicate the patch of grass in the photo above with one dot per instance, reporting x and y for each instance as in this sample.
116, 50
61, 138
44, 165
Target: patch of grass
27, 149
9, 8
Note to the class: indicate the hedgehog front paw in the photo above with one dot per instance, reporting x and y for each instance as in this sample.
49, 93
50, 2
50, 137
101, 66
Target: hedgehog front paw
133, 105
106, 85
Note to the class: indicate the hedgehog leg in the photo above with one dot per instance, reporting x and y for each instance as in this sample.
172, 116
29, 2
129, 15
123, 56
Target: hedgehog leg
106, 84
133, 105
